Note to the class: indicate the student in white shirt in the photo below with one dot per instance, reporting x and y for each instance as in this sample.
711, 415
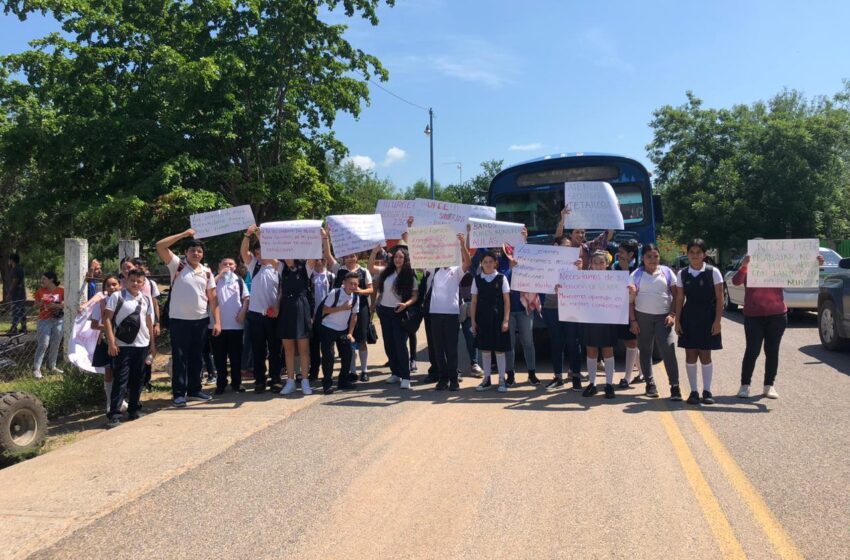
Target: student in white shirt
232, 295
398, 292
338, 323
490, 311
321, 282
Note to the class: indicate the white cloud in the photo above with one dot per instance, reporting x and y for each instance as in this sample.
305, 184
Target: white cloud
363, 162
468, 59
601, 48
525, 147
394, 155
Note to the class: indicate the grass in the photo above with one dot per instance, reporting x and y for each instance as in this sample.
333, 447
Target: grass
62, 394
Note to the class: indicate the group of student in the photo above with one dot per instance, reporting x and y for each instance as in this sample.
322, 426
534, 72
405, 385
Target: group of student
289, 318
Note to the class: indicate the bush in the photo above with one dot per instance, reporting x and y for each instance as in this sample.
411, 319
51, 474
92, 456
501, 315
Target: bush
62, 394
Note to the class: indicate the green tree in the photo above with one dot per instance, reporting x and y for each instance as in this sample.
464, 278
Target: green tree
358, 190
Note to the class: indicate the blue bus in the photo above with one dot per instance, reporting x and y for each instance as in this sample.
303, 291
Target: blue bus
532, 193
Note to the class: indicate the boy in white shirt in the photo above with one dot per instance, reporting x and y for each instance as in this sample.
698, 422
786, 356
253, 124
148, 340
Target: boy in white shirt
232, 295
340, 318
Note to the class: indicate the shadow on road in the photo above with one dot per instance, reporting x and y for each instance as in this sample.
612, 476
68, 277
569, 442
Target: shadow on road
839, 361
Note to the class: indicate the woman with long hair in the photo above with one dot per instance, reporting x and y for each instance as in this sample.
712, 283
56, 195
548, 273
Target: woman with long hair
397, 286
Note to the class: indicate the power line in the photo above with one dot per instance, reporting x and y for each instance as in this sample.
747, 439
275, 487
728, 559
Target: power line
400, 98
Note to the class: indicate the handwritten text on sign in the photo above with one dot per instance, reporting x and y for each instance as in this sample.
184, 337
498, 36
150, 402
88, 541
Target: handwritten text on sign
354, 233
593, 205
433, 246
222, 221
783, 263
429, 212
296, 239
394, 214
539, 267
594, 296
490, 233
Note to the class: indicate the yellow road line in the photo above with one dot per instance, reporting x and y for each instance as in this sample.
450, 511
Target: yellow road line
730, 547
774, 531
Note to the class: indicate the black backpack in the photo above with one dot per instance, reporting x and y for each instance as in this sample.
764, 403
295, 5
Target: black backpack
128, 329
320, 311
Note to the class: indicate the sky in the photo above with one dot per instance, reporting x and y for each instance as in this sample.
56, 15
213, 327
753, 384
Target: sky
515, 80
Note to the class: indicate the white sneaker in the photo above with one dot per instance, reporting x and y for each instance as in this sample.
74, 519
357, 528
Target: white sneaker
405, 384
477, 371
289, 388
744, 392
55, 369
124, 406
502, 388
393, 379
305, 387
37, 373
770, 392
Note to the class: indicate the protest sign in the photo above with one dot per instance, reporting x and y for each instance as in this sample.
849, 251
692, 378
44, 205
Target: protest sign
354, 233
482, 212
429, 212
594, 296
219, 222
783, 263
433, 246
84, 338
593, 205
394, 214
490, 233
295, 239
539, 267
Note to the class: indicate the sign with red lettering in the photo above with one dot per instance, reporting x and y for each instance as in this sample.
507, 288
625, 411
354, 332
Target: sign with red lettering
594, 296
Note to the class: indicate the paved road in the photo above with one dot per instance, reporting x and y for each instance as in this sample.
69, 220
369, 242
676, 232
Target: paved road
377, 474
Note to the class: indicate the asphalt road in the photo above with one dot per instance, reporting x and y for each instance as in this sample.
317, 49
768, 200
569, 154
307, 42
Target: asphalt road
528, 474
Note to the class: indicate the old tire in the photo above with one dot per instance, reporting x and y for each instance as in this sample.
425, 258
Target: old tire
23, 422
828, 326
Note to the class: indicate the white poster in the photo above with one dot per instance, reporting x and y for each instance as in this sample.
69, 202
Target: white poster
482, 212
783, 263
594, 296
355, 233
295, 239
428, 212
394, 215
433, 246
84, 338
490, 233
593, 205
219, 222
539, 267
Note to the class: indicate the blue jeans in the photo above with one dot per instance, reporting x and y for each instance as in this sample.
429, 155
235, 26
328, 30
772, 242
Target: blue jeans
187, 344
525, 323
564, 339
49, 335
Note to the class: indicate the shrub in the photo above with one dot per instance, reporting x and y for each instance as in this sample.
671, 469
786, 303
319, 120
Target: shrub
62, 394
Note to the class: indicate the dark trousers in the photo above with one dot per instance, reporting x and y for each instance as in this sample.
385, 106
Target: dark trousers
316, 352
758, 330
429, 340
228, 346
128, 369
444, 328
187, 343
209, 358
565, 338
412, 345
329, 338
264, 342
395, 342
19, 314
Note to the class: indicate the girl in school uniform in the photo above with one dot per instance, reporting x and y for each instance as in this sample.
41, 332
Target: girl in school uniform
490, 311
295, 317
600, 336
101, 357
397, 291
627, 253
699, 309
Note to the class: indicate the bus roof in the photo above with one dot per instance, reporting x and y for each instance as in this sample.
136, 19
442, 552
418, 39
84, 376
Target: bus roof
568, 156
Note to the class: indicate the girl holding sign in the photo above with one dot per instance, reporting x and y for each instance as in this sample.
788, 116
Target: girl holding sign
490, 312
698, 313
294, 321
397, 288
600, 337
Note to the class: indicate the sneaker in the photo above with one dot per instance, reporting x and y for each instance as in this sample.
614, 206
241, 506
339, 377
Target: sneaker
609, 391
113, 422
178, 402
577, 383
651, 389
364, 377
744, 391
556, 383
393, 379
476, 370
212, 379
305, 387
56, 371
707, 397
37, 374
770, 392
589, 391
639, 379
511, 380
219, 391
503, 388
200, 396
289, 388
239, 389
413, 367
624, 384
405, 384
353, 377
675, 393
454, 385
532, 378
693, 398
484, 385
148, 388
428, 379
259, 389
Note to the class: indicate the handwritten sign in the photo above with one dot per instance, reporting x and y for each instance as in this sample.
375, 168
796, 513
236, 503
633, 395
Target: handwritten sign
394, 214
354, 233
539, 267
84, 339
482, 212
433, 246
295, 239
219, 222
593, 205
594, 296
430, 212
783, 263
490, 233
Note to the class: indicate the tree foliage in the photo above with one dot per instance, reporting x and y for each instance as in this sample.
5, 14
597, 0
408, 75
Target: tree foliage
472, 191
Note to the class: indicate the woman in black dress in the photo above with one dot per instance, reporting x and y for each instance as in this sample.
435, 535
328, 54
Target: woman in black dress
490, 311
294, 321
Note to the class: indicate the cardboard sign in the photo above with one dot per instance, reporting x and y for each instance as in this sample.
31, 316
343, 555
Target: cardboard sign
482, 212
783, 263
219, 222
84, 339
394, 214
539, 267
430, 212
594, 296
490, 233
593, 205
355, 233
433, 246
295, 239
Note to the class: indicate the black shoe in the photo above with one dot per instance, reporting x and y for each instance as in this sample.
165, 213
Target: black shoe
313, 377
532, 378
428, 379
441, 386
651, 390
556, 383
298, 378
259, 389
707, 397
454, 385
239, 389
576, 383
609, 391
148, 388
328, 390
112, 423
639, 379
693, 398
624, 384
511, 380
364, 377
345, 386
589, 391
352, 377
134, 416
675, 393
219, 391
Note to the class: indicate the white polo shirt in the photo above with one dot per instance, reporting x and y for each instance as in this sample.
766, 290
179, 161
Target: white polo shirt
265, 286
445, 285
506, 287
189, 299
143, 339
339, 321
654, 295
230, 296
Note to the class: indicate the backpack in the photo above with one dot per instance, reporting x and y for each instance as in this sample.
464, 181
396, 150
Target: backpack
320, 312
128, 329
165, 309
668, 275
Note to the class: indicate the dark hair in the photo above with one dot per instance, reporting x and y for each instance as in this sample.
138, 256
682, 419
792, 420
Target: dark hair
50, 275
404, 281
697, 243
107, 278
15, 258
255, 246
138, 261
351, 275
195, 243
492, 254
630, 246
647, 247
135, 272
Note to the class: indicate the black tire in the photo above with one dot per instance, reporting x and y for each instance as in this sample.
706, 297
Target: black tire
828, 327
23, 422
727, 301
